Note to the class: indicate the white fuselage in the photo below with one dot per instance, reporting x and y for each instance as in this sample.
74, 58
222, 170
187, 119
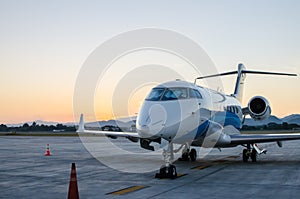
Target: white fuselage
180, 112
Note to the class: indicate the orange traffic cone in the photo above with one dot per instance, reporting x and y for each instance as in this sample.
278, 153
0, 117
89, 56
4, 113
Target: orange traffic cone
73, 188
47, 153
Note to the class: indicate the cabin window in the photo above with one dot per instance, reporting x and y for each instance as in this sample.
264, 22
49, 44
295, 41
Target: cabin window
233, 109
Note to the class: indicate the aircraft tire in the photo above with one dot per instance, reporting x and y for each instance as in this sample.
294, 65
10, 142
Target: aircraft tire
245, 156
167, 172
172, 173
253, 155
193, 155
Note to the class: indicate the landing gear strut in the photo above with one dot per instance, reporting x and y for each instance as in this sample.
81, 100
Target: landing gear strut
168, 170
250, 152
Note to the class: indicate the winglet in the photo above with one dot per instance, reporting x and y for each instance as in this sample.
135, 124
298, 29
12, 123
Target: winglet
81, 125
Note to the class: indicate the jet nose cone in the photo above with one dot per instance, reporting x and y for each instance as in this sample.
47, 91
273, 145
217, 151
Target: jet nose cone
151, 120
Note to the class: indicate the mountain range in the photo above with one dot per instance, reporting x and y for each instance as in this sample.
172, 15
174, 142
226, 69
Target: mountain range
120, 123
291, 119
128, 122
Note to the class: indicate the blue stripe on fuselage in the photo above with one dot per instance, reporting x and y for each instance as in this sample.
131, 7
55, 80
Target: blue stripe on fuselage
228, 118
223, 118
202, 128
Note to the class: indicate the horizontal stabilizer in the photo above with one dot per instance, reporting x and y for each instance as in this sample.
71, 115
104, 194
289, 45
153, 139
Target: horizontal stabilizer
267, 73
217, 75
246, 72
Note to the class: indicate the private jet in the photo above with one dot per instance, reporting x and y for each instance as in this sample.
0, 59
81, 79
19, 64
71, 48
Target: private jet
188, 115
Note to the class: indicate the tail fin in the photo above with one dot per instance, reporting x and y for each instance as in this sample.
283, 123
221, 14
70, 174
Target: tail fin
241, 75
239, 84
81, 125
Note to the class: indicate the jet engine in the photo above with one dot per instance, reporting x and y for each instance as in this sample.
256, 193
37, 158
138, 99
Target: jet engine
259, 108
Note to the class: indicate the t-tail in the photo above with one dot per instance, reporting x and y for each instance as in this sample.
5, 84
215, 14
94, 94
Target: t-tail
239, 84
241, 76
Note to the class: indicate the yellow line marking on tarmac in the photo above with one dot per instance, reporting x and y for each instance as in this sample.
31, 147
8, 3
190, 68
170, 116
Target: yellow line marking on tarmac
181, 174
127, 190
201, 167
233, 156
220, 161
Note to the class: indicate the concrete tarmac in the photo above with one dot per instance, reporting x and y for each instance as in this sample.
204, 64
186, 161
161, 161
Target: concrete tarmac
26, 173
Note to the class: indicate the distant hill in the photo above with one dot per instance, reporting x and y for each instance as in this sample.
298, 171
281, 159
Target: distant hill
38, 122
125, 123
122, 122
128, 122
291, 119
271, 119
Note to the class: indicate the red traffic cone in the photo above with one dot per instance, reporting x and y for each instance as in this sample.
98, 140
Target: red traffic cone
73, 188
47, 153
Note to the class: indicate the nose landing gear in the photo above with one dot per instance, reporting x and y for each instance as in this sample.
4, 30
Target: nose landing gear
168, 170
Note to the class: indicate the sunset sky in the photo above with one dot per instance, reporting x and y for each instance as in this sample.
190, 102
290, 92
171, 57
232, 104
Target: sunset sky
43, 45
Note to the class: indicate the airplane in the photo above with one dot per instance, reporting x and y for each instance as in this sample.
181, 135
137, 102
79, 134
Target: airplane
184, 113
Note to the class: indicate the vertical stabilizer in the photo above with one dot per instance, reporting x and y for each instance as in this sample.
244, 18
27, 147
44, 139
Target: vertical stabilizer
239, 85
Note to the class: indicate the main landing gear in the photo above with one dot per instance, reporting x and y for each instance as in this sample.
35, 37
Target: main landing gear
188, 154
250, 152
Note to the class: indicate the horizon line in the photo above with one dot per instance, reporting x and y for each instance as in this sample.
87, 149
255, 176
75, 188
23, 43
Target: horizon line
59, 122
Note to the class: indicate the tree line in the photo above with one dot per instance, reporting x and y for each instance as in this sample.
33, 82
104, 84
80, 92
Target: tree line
272, 126
35, 127
60, 127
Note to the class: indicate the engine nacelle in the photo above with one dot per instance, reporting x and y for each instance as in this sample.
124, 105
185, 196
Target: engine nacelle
259, 108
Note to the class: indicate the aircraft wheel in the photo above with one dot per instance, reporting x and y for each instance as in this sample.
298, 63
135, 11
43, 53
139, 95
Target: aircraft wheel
253, 155
245, 155
193, 155
172, 173
185, 156
167, 172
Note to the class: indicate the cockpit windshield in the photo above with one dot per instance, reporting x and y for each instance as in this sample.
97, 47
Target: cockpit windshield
174, 94
155, 94
164, 94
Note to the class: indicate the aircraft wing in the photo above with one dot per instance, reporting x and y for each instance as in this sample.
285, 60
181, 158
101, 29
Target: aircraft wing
112, 134
237, 139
